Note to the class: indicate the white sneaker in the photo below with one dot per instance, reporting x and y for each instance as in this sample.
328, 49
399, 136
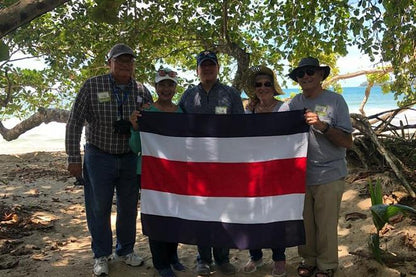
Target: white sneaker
101, 266
131, 259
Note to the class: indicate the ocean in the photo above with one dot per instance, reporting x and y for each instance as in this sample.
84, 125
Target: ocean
51, 137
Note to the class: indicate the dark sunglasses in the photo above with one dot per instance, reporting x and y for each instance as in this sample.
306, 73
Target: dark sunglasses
266, 84
309, 71
163, 73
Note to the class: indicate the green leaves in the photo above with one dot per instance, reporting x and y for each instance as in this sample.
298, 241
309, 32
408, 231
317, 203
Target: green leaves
4, 51
383, 214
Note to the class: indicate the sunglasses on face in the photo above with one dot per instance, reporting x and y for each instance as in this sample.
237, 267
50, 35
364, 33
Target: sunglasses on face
265, 84
309, 71
163, 73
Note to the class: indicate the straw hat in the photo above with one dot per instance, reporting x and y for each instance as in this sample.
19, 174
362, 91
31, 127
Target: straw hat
250, 79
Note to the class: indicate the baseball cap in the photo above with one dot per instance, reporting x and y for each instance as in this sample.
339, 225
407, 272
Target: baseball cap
166, 74
206, 55
120, 49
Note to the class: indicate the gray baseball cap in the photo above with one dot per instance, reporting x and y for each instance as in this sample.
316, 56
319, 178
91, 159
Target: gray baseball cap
120, 49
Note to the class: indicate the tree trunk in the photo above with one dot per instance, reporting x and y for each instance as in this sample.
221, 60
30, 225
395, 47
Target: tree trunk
23, 12
42, 116
365, 99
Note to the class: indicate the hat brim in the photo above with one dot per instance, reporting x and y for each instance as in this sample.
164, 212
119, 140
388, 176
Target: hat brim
250, 78
206, 59
158, 79
325, 68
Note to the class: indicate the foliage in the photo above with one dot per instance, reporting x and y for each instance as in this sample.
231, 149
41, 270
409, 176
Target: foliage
383, 214
74, 39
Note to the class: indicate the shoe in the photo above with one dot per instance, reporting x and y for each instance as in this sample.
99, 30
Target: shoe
227, 269
279, 269
305, 270
131, 259
203, 269
101, 266
325, 273
252, 266
178, 266
166, 272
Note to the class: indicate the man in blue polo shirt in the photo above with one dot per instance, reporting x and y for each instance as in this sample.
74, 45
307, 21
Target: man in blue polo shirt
211, 97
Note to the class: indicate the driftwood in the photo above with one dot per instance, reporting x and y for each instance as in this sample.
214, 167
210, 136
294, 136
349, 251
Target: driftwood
362, 124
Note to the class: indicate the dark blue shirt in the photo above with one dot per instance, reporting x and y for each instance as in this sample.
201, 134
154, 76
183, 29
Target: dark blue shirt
221, 99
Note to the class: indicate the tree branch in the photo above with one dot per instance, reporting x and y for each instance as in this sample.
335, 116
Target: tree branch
23, 12
42, 116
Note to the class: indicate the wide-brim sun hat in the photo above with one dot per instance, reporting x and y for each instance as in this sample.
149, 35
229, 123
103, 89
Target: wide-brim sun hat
309, 62
250, 79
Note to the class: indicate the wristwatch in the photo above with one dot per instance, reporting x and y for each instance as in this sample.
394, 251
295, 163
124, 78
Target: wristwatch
326, 128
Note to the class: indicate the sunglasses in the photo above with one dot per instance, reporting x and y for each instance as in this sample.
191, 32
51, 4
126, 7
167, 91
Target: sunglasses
163, 73
265, 84
309, 71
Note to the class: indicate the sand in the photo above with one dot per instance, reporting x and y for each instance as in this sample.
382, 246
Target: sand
43, 231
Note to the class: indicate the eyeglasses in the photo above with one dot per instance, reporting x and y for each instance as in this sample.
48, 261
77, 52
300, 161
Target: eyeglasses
309, 71
266, 84
163, 73
128, 61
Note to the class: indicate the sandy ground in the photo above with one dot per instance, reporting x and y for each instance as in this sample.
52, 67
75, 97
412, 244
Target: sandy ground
43, 230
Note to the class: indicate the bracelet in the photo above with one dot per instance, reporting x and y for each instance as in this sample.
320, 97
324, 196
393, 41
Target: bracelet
326, 128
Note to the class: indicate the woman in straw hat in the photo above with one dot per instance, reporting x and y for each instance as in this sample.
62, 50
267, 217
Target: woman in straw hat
262, 87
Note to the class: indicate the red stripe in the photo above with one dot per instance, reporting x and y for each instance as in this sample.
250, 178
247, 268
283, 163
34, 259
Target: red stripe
255, 179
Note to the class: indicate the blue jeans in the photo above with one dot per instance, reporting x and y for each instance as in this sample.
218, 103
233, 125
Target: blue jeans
163, 253
104, 172
278, 254
220, 255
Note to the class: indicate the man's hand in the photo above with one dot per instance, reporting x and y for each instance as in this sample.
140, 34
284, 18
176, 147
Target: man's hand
312, 118
75, 169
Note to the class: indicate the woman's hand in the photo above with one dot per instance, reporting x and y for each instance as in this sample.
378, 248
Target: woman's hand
133, 119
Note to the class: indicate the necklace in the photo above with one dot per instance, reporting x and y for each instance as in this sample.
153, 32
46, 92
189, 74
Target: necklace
266, 108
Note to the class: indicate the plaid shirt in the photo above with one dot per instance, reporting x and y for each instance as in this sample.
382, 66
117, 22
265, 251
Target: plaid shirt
197, 100
97, 105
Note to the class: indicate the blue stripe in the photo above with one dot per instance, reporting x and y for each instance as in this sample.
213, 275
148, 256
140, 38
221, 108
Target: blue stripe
217, 234
230, 125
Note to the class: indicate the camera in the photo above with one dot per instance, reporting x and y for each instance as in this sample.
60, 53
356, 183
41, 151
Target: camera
122, 127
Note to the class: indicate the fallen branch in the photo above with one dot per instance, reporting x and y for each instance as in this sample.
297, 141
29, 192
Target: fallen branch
361, 123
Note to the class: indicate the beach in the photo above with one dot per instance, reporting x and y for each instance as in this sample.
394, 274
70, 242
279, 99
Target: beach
43, 231
47, 235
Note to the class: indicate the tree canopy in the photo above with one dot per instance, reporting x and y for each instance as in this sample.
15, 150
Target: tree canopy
74, 38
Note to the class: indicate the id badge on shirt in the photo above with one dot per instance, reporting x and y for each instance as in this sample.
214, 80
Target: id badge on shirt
220, 110
103, 96
321, 110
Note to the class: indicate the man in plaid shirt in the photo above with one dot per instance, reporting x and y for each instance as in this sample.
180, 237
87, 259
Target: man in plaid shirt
104, 104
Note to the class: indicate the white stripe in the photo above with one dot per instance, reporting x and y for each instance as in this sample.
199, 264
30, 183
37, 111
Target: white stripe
244, 210
239, 149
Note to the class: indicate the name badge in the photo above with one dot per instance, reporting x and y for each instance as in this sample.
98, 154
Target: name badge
103, 96
220, 110
321, 110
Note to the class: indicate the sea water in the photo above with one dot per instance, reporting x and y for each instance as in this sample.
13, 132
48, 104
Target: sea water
51, 136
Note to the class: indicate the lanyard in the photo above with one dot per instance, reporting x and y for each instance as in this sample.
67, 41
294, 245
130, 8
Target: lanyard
123, 93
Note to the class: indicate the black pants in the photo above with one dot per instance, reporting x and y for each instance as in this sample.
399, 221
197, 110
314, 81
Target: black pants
163, 253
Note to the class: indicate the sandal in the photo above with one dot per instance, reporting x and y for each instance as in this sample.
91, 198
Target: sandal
305, 270
325, 273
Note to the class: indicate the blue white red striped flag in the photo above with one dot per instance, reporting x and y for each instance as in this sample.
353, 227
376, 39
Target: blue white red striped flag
235, 181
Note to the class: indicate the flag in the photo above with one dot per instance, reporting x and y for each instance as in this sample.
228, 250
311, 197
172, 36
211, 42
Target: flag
235, 181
